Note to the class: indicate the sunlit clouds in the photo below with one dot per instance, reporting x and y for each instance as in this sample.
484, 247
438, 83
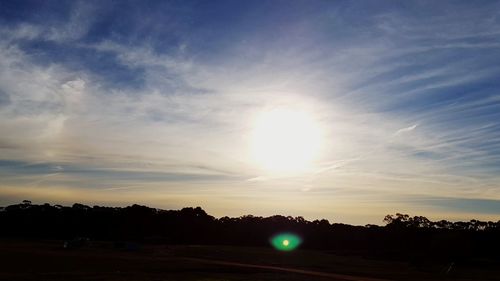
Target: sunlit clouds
345, 111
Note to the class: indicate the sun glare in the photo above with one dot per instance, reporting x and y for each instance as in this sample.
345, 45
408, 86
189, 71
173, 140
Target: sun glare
285, 140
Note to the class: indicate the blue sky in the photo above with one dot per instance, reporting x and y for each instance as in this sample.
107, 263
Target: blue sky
154, 102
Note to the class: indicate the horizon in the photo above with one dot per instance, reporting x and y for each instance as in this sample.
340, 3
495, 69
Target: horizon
331, 222
345, 111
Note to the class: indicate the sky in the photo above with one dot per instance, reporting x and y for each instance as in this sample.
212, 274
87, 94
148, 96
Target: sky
394, 105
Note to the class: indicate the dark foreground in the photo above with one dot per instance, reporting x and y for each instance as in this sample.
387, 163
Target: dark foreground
21, 260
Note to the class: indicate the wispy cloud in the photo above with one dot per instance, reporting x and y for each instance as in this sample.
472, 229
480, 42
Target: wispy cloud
406, 130
407, 104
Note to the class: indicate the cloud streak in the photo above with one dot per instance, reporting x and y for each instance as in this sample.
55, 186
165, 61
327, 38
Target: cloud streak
407, 104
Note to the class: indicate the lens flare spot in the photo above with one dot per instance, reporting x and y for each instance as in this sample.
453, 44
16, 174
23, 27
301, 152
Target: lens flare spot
285, 241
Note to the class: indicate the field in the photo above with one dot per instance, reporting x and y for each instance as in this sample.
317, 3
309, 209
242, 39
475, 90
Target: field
48, 260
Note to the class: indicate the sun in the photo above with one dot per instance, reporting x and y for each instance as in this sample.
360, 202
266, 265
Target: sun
285, 140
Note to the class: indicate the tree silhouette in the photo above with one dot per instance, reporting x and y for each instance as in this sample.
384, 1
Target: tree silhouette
403, 236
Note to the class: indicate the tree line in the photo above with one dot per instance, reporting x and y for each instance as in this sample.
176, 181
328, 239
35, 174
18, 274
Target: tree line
402, 237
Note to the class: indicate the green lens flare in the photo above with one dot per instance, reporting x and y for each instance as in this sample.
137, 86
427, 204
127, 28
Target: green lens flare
285, 242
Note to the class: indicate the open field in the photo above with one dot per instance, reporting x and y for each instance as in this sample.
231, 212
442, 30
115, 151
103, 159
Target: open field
102, 261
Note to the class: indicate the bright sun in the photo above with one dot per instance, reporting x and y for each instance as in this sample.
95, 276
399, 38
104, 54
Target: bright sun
285, 140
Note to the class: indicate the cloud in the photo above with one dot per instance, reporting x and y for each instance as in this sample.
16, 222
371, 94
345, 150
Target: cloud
4, 98
152, 107
406, 130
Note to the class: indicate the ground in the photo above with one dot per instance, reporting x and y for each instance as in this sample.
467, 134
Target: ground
48, 260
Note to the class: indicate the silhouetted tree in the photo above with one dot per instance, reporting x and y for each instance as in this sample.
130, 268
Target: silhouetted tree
406, 237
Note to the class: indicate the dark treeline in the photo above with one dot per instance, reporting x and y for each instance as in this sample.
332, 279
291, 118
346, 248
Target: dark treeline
403, 237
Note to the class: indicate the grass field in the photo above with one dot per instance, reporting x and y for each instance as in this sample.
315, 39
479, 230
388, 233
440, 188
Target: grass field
48, 260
